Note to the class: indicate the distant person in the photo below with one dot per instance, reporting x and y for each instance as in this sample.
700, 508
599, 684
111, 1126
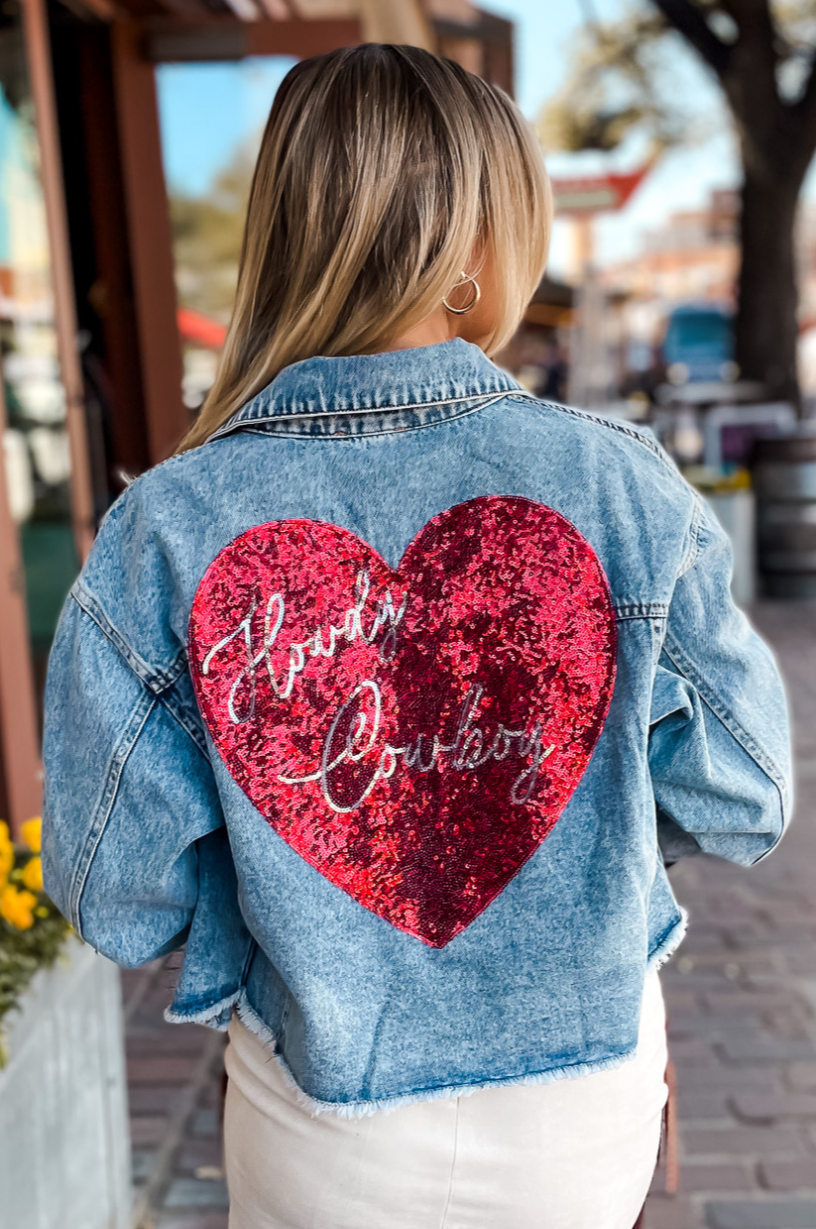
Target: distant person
387, 696
556, 371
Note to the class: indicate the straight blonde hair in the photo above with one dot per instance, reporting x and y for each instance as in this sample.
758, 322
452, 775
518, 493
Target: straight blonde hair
381, 169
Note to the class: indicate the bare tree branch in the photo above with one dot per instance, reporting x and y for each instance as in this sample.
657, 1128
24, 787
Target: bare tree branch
689, 21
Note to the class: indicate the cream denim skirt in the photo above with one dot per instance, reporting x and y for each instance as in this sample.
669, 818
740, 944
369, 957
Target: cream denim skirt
571, 1154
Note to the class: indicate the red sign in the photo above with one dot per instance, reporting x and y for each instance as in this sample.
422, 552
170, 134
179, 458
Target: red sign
595, 193
200, 330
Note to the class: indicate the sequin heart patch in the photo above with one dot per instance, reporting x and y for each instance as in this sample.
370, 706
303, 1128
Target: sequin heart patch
413, 734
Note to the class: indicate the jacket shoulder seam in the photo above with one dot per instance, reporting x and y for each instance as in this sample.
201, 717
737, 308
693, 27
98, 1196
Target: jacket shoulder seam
623, 428
609, 424
127, 741
158, 682
194, 734
140, 479
155, 679
694, 536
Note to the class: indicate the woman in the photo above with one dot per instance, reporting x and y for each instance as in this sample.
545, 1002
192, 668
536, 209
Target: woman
386, 694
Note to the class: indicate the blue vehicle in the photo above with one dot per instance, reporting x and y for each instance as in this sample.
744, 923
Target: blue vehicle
699, 345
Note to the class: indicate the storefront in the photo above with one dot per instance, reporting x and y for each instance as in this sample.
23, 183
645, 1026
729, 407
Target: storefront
90, 347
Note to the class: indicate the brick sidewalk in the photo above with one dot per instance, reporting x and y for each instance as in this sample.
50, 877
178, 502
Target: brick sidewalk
741, 995
174, 1075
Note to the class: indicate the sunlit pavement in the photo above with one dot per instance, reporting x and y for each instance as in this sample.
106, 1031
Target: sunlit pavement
741, 996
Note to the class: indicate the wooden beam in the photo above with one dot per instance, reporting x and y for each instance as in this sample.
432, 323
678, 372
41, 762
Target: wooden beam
168, 40
151, 242
102, 10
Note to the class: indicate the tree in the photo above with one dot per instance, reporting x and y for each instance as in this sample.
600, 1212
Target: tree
207, 233
761, 53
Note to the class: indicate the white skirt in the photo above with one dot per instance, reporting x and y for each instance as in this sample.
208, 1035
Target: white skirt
569, 1154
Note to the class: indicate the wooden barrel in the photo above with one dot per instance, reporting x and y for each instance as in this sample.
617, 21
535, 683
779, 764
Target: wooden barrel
785, 484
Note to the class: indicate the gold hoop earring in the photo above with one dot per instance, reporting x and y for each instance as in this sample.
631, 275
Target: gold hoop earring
464, 278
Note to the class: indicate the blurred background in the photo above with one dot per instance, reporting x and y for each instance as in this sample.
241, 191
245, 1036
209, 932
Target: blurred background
680, 293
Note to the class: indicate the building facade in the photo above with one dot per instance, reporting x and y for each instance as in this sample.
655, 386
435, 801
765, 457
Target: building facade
91, 353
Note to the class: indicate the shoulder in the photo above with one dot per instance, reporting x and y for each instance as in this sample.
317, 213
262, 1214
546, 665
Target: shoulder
160, 486
166, 502
616, 469
129, 581
636, 442
610, 441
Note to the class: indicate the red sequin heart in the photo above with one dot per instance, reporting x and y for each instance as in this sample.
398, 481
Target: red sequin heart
413, 734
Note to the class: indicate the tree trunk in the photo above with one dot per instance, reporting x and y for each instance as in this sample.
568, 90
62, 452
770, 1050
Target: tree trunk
766, 326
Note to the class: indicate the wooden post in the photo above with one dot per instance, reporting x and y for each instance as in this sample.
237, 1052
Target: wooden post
19, 738
38, 50
130, 446
151, 241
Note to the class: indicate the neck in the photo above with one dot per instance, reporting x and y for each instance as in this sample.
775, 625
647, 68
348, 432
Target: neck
432, 331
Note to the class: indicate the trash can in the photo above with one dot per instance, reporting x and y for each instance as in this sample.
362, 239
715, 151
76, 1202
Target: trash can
785, 483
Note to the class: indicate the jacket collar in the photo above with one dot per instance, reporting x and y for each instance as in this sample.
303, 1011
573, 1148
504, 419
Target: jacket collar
362, 393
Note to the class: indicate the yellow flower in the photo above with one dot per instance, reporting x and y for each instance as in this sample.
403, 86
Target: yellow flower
32, 874
6, 857
5, 835
17, 907
32, 834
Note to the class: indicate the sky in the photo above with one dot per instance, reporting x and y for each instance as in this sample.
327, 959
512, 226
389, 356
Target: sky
207, 109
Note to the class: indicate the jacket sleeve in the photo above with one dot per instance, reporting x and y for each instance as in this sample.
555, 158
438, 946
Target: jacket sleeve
129, 790
719, 743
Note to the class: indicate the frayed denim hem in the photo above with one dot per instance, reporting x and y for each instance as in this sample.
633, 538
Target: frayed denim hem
669, 943
215, 1015
364, 1109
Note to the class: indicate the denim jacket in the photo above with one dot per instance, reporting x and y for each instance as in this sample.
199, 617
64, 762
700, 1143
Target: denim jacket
388, 704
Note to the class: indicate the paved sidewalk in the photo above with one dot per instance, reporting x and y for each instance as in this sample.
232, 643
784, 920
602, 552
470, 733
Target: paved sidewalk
741, 996
174, 1083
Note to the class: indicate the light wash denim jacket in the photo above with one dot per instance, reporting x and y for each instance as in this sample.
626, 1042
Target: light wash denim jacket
152, 839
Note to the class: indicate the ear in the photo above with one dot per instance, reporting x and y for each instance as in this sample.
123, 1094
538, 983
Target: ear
479, 325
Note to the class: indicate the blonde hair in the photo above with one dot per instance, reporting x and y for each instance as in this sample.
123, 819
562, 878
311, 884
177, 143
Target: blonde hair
380, 170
